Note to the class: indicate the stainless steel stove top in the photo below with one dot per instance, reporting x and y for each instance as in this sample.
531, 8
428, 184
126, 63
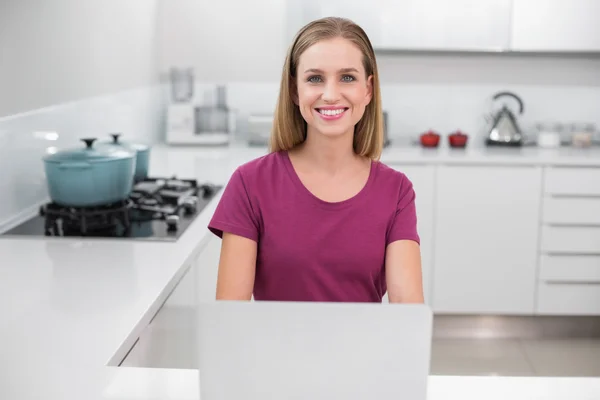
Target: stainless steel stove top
157, 209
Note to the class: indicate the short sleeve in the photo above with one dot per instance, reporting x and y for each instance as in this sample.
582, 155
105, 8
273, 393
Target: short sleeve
234, 213
404, 224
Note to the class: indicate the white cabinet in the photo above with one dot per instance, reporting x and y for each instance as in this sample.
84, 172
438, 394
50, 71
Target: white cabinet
486, 238
424, 24
555, 25
207, 268
569, 278
444, 25
423, 179
468, 25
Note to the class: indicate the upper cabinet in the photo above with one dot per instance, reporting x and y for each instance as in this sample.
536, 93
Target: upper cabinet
444, 25
468, 25
556, 25
424, 24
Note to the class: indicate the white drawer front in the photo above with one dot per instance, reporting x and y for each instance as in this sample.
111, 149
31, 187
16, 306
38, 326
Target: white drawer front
570, 269
571, 211
568, 299
572, 181
567, 239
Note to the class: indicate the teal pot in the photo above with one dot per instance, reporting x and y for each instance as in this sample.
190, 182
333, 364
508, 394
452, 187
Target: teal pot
89, 176
142, 154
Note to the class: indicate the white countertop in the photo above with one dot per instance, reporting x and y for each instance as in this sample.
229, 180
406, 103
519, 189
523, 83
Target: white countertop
72, 308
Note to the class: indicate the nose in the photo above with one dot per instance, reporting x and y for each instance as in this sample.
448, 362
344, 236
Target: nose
331, 92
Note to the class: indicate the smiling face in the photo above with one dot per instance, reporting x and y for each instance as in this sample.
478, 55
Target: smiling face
332, 87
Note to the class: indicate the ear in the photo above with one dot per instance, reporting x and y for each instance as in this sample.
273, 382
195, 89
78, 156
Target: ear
369, 94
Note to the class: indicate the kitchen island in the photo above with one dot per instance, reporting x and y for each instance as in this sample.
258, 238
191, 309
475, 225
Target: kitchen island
73, 308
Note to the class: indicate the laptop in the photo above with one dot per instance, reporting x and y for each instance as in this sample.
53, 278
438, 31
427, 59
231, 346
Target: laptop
313, 351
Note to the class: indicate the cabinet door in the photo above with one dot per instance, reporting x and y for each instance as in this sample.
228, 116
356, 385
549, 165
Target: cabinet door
424, 24
486, 238
207, 266
423, 179
366, 14
445, 25
556, 25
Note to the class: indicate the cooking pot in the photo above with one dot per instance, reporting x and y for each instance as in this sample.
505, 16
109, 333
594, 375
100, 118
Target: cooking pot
89, 176
457, 139
430, 139
142, 152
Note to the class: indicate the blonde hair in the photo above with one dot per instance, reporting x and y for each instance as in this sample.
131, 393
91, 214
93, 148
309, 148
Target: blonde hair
289, 127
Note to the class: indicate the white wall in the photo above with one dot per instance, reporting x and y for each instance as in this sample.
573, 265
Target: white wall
57, 51
225, 40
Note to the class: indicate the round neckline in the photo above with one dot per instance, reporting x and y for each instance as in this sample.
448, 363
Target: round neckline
305, 192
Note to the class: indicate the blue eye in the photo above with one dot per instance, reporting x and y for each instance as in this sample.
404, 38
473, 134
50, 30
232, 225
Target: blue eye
313, 78
351, 78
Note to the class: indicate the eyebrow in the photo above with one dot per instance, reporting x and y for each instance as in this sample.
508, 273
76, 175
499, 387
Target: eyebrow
342, 71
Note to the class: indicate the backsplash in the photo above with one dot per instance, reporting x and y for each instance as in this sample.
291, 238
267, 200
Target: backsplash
24, 139
444, 107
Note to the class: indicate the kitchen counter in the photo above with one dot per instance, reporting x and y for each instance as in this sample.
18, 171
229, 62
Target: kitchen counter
564, 156
73, 308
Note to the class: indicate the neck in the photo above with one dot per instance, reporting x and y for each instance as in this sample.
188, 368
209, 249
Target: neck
328, 153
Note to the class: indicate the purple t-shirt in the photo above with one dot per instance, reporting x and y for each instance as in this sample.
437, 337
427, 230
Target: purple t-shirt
310, 249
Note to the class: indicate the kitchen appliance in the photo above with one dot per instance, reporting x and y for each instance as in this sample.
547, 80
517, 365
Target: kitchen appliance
259, 129
156, 209
458, 139
312, 350
211, 123
429, 139
182, 84
142, 151
89, 176
505, 130
260, 126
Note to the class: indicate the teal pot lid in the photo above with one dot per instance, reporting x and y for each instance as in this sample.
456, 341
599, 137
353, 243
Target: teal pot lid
116, 141
89, 153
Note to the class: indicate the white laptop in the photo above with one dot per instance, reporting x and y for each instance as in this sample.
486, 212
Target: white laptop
313, 351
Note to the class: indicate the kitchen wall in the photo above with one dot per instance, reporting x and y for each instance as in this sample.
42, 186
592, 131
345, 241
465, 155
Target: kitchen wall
232, 43
71, 68
68, 69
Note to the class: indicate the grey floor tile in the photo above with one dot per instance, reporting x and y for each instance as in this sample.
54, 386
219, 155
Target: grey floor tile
479, 357
563, 357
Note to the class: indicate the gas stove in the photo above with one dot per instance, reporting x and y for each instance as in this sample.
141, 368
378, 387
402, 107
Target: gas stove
157, 209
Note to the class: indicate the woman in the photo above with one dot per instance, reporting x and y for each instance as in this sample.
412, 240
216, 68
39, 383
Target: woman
320, 218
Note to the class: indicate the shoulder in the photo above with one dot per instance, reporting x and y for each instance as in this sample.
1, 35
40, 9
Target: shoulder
261, 167
392, 180
259, 173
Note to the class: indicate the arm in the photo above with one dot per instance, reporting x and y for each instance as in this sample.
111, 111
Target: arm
403, 272
237, 267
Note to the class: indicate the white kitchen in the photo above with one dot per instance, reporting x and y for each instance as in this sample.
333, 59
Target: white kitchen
101, 302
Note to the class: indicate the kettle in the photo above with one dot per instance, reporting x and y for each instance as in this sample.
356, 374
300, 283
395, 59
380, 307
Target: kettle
505, 130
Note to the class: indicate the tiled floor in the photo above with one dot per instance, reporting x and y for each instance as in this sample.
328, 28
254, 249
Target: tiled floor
170, 343
548, 357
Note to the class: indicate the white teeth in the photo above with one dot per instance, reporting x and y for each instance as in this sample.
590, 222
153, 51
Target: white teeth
332, 112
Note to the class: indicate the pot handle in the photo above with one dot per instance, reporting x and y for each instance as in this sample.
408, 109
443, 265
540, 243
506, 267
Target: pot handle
115, 137
89, 142
75, 165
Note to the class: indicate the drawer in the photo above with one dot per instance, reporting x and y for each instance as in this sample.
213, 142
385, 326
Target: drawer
572, 181
571, 211
570, 268
569, 239
568, 299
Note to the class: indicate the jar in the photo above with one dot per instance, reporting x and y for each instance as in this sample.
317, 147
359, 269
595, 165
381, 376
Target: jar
549, 135
582, 134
